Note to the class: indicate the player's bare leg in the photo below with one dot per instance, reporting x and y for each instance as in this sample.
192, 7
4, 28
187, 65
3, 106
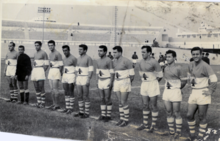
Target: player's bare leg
102, 104
178, 120
38, 91
42, 93
54, 94
108, 104
203, 122
170, 117
13, 89
123, 108
80, 101
192, 108
86, 100
72, 97
26, 93
146, 113
154, 113
21, 86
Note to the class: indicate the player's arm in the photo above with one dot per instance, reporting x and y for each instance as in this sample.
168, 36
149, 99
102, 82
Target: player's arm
28, 67
213, 80
159, 73
91, 68
182, 77
6, 64
60, 61
131, 70
112, 72
46, 62
97, 73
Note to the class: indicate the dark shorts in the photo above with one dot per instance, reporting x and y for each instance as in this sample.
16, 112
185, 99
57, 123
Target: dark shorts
21, 77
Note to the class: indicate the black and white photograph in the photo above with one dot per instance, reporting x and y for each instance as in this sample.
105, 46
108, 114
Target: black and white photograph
102, 70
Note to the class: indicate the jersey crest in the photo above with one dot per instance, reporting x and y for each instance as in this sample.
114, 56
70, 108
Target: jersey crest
168, 85
100, 73
145, 76
80, 71
66, 70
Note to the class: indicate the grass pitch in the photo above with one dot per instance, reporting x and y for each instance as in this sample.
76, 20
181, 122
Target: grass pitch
41, 122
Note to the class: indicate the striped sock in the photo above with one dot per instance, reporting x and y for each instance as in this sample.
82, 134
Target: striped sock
202, 129
22, 95
145, 117
192, 127
42, 98
179, 123
170, 121
16, 95
27, 96
121, 112
109, 110
72, 100
87, 106
67, 101
154, 118
12, 94
38, 98
81, 106
103, 110
126, 113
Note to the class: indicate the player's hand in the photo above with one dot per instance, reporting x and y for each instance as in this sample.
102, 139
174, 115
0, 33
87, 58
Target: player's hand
88, 83
110, 85
26, 77
206, 92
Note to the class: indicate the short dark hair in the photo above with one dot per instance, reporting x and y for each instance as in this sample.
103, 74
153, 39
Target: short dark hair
51, 41
105, 49
38, 42
13, 44
21, 46
118, 48
172, 52
83, 46
148, 48
196, 48
66, 46
207, 53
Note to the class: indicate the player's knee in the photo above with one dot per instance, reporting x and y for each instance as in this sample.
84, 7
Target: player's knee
201, 117
10, 85
87, 99
154, 107
108, 102
169, 113
146, 107
21, 87
189, 116
103, 101
177, 114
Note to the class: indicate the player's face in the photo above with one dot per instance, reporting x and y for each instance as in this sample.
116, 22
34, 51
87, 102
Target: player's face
37, 47
20, 50
66, 52
10, 47
170, 59
145, 54
51, 46
81, 51
101, 52
197, 56
116, 54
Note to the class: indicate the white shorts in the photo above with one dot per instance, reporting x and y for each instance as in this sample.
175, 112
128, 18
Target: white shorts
68, 78
150, 89
81, 80
123, 85
196, 97
172, 95
54, 74
11, 70
103, 83
134, 60
38, 74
